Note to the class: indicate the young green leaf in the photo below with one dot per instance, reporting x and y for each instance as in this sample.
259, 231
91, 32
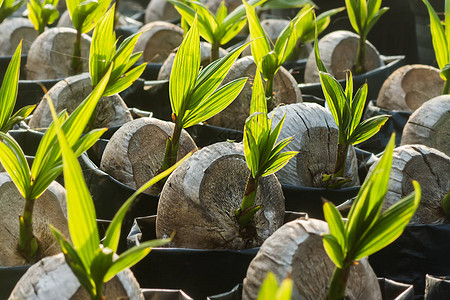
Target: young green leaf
8, 7
43, 13
271, 291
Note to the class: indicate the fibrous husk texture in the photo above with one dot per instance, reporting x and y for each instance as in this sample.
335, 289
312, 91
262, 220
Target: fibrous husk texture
52, 278
12, 31
50, 55
135, 152
160, 10
199, 199
285, 90
430, 125
69, 93
338, 52
296, 250
315, 137
430, 168
205, 50
409, 87
158, 40
49, 208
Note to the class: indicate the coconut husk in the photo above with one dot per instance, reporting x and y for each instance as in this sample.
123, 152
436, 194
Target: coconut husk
213, 5
430, 125
69, 93
160, 10
338, 53
199, 199
65, 20
430, 168
49, 208
158, 40
205, 50
409, 87
52, 278
12, 31
285, 90
50, 55
315, 137
135, 152
296, 250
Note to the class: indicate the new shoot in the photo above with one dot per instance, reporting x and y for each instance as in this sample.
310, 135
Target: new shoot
367, 230
8, 95
8, 7
94, 262
262, 153
217, 29
266, 59
84, 16
440, 32
47, 164
270, 290
43, 13
363, 15
347, 110
195, 95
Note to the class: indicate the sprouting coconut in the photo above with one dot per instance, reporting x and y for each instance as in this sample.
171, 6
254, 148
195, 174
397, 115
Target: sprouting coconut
430, 125
12, 31
338, 52
49, 55
158, 40
136, 151
409, 87
296, 250
69, 93
200, 198
285, 90
316, 139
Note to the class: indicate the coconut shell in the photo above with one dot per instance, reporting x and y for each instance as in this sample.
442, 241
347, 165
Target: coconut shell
205, 50
160, 10
135, 152
285, 90
430, 125
338, 53
50, 55
296, 250
158, 40
52, 278
12, 31
65, 20
430, 168
315, 137
199, 199
409, 87
49, 208
69, 93
272, 28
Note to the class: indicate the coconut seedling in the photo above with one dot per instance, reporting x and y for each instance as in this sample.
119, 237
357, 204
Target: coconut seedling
262, 153
270, 290
47, 165
367, 230
440, 32
8, 7
194, 94
269, 61
347, 110
217, 29
8, 95
93, 261
42, 13
84, 16
363, 15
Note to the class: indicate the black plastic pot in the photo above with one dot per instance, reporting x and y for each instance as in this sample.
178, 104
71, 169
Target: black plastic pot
197, 272
420, 250
5, 60
437, 287
390, 290
164, 294
374, 78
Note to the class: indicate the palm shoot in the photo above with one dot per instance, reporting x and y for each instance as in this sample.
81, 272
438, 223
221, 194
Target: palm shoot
43, 13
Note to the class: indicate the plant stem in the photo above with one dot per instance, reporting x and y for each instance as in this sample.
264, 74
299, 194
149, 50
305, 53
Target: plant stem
269, 89
339, 167
214, 52
245, 213
77, 64
27, 241
446, 87
170, 155
359, 68
336, 291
